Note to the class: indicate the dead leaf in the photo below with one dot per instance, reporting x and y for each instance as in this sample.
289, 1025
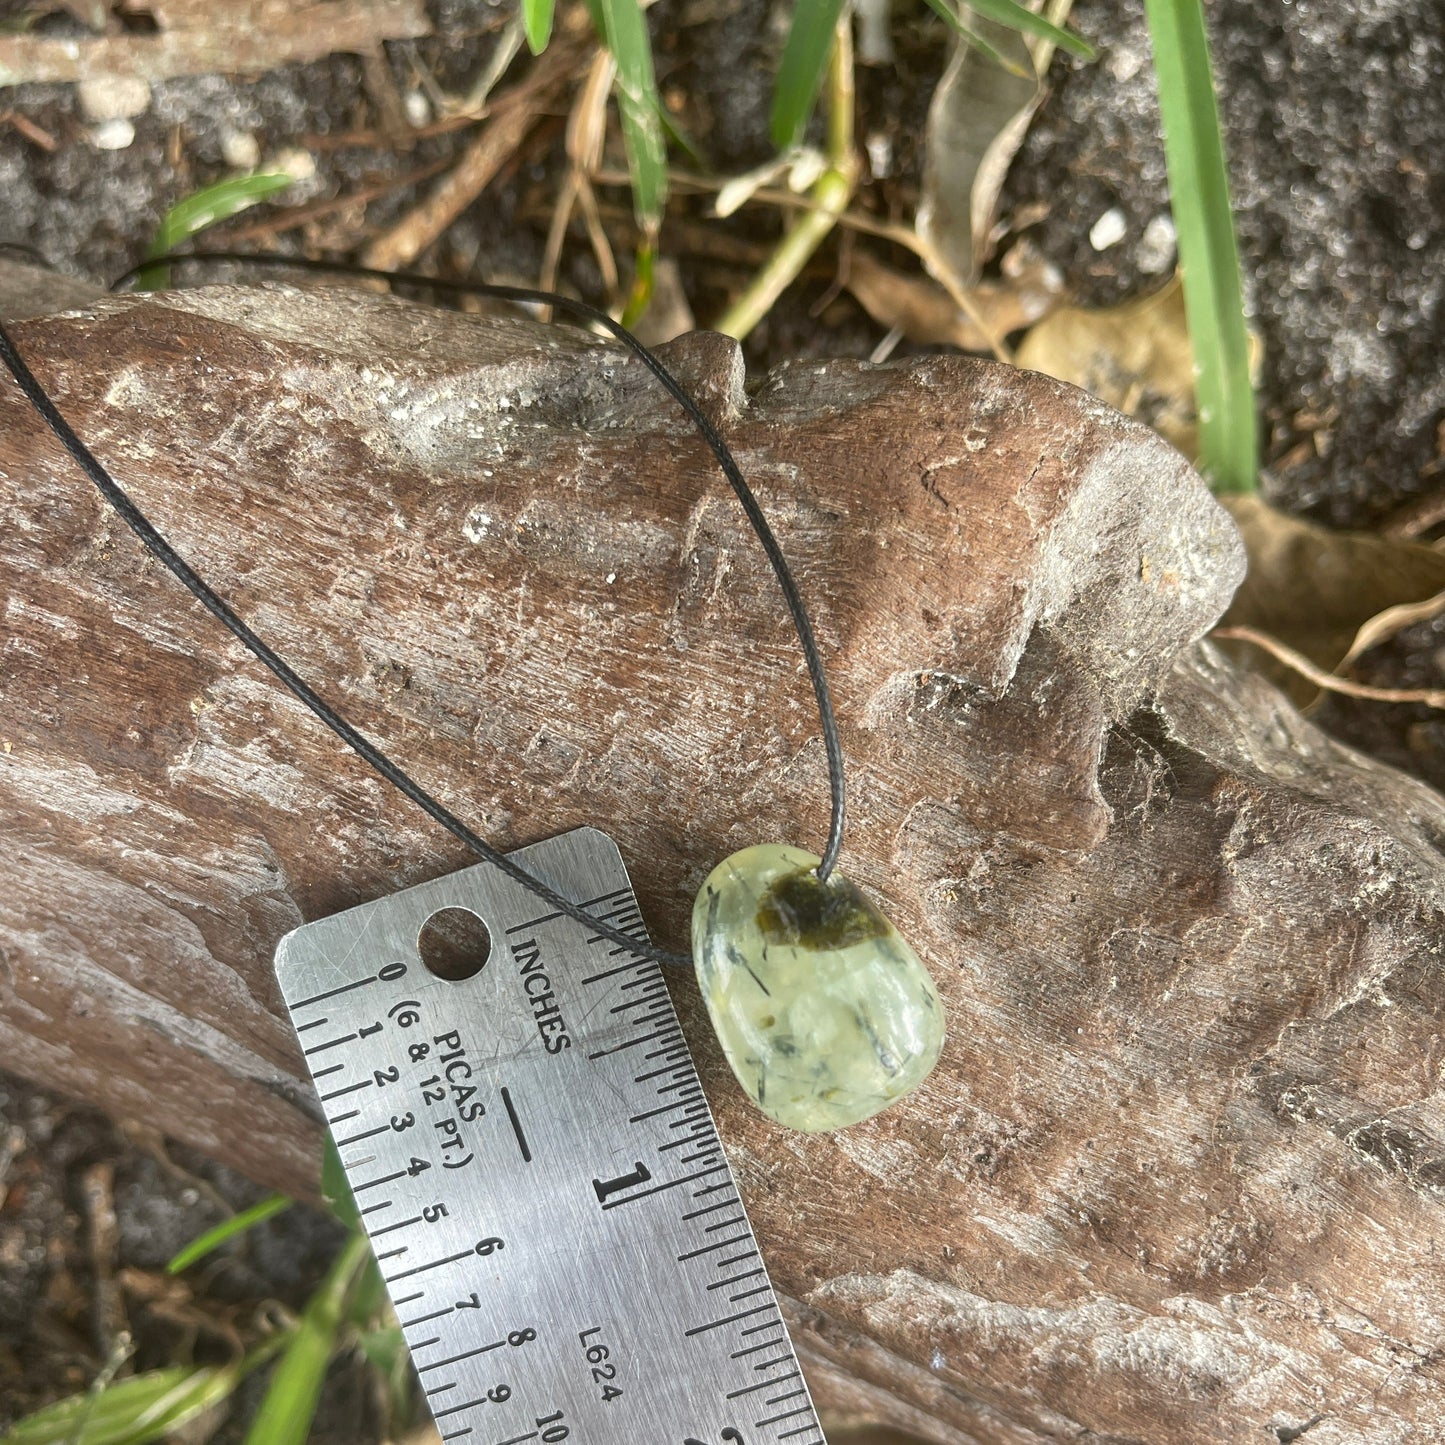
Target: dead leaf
927, 314
1136, 357
199, 37
977, 119
1327, 595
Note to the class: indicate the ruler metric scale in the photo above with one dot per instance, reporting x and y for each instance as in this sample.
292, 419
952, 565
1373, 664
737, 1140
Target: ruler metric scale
539, 1171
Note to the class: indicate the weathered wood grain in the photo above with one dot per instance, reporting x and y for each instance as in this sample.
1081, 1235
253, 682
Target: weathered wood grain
194, 37
1180, 1174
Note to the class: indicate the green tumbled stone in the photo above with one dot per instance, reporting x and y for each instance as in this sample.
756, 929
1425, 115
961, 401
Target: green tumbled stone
823, 1011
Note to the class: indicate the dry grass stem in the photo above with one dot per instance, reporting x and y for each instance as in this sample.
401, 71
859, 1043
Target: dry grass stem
1298, 662
850, 220
1416, 517
1384, 625
197, 37
512, 117
32, 132
586, 134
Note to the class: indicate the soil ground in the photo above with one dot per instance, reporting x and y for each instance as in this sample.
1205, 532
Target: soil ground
90, 1212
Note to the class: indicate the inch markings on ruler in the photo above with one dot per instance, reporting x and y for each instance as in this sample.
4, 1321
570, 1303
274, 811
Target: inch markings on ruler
539, 1172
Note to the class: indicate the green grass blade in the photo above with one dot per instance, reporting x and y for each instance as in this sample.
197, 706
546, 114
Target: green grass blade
290, 1403
228, 1229
212, 204
387, 1354
800, 71
1208, 255
385, 1349
368, 1301
949, 16
138, 1409
1020, 17
206, 207
141, 1409
336, 1188
537, 21
640, 107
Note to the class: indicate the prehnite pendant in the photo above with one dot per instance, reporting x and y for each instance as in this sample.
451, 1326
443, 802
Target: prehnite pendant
824, 1012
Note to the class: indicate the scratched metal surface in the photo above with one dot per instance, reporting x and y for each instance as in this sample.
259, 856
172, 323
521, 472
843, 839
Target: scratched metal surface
540, 1173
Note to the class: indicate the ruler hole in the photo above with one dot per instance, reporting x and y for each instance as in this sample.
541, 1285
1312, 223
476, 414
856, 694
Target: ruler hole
454, 944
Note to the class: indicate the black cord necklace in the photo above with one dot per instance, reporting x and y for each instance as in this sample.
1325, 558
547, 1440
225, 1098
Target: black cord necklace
762, 913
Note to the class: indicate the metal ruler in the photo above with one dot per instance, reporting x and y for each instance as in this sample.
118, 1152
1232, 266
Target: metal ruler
539, 1171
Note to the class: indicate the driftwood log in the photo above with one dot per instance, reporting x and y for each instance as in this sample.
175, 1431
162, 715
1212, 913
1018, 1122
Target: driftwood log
1180, 1174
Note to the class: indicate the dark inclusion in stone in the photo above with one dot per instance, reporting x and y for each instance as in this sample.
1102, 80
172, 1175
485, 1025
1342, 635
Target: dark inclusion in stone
799, 910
